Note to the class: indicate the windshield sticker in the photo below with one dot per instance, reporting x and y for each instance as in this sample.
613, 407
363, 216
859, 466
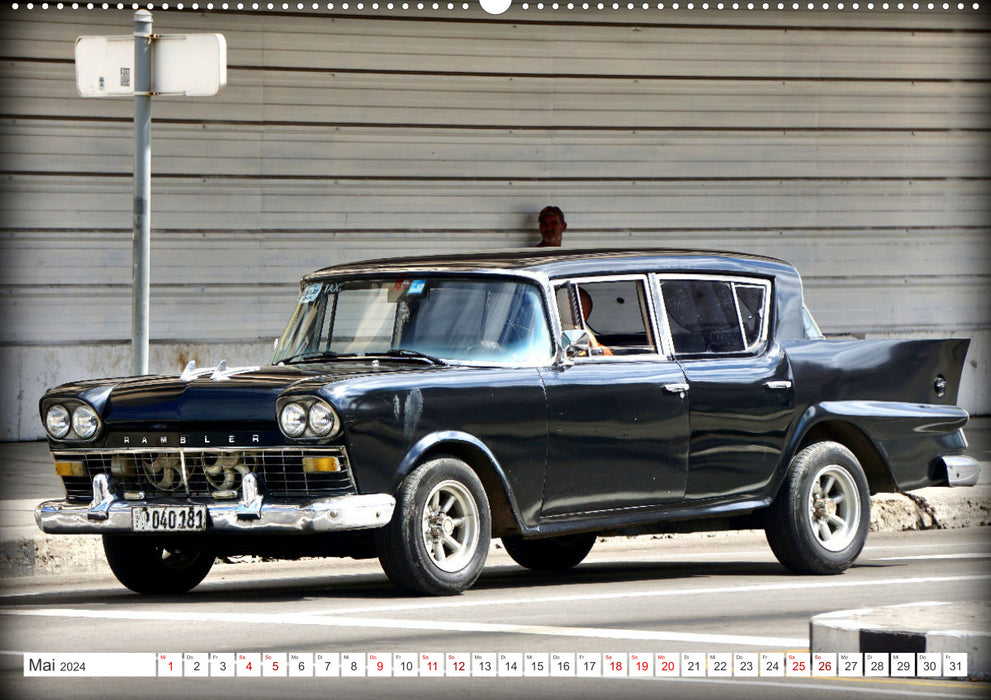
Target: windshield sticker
311, 292
416, 287
400, 285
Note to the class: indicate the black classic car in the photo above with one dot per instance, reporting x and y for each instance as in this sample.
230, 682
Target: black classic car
416, 408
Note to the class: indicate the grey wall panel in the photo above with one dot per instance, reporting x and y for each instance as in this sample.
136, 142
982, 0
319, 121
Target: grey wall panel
290, 97
854, 144
233, 204
293, 152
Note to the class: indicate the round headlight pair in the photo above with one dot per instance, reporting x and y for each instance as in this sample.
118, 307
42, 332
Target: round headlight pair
82, 420
316, 419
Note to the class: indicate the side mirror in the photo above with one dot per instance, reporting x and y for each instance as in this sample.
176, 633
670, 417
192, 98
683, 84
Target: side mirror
577, 343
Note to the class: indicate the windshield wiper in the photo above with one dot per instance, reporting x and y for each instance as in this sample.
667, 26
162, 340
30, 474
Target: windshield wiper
414, 354
310, 356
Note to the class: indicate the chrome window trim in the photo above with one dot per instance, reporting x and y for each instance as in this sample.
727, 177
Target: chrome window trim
756, 348
648, 296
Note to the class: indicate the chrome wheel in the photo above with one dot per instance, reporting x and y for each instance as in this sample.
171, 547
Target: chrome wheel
834, 507
450, 526
438, 538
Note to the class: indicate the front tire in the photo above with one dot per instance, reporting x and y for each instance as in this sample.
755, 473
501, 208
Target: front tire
438, 539
551, 553
818, 522
153, 565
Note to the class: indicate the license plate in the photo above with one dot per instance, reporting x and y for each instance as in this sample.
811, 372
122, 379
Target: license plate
168, 518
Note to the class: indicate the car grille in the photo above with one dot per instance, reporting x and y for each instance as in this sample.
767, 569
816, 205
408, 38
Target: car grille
208, 474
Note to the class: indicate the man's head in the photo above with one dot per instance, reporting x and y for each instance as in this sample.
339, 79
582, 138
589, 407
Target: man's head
552, 226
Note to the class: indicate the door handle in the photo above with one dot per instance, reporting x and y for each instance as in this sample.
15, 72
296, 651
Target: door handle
783, 384
676, 388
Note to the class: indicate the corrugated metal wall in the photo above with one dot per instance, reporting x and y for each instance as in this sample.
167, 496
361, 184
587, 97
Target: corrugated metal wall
853, 144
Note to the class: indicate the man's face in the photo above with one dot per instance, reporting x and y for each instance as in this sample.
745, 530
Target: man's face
551, 228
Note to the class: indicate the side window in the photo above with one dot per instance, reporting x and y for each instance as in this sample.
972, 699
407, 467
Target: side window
811, 327
614, 312
750, 301
715, 316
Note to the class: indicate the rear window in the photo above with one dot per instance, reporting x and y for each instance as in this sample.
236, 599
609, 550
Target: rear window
716, 316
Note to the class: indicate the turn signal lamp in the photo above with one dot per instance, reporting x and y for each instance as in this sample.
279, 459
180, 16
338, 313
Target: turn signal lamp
70, 469
321, 464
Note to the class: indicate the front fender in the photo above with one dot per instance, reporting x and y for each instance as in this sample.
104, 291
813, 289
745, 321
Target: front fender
480, 458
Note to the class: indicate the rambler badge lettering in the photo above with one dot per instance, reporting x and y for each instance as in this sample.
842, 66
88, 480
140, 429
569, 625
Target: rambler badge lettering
140, 440
416, 408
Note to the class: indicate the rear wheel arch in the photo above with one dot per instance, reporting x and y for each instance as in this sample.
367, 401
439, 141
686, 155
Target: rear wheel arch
856, 440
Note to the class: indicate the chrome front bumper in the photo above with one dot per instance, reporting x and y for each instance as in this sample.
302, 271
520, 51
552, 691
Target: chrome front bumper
108, 513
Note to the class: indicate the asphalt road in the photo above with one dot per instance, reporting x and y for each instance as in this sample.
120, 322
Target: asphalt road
714, 594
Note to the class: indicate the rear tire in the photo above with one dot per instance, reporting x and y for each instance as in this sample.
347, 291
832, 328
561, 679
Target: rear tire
438, 539
818, 522
551, 553
154, 565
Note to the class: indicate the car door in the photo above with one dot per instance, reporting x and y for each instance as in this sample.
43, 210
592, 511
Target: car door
617, 416
740, 390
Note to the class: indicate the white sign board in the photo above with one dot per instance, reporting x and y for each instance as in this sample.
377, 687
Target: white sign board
193, 65
105, 66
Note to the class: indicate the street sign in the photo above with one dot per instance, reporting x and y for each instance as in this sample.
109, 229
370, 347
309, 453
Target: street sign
144, 65
194, 65
191, 65
105, 66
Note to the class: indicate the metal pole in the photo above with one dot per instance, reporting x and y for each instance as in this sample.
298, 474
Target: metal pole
140, 326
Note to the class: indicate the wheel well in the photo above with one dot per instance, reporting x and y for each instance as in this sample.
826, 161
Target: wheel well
851, 437
503, 520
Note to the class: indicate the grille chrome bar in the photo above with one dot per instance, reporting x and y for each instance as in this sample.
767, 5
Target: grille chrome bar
209, 474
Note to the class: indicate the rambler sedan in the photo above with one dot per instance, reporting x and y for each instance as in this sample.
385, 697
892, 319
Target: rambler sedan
416, 408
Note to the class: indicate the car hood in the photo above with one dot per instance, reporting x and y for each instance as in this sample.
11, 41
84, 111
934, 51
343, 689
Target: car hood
245, 396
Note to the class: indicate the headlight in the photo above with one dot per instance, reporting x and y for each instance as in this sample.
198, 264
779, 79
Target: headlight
72, 420
57, 421
322, 420
307, 417
85, 422
293, 419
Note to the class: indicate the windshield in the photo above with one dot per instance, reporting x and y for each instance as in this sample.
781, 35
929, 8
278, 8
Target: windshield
459, 319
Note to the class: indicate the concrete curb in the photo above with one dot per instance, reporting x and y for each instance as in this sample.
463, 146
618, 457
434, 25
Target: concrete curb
937, 508
930, 627
47, 555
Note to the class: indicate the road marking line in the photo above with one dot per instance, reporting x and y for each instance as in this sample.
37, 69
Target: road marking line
797, 684
935, 556
428, 625
801, 584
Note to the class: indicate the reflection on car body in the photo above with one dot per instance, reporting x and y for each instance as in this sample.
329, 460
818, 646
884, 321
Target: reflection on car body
415, 408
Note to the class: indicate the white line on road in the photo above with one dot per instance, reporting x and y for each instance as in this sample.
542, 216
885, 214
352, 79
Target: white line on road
802, 583
935, 556
428, 625
870, 686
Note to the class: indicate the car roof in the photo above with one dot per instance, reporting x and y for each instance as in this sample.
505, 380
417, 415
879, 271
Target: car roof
557, 262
